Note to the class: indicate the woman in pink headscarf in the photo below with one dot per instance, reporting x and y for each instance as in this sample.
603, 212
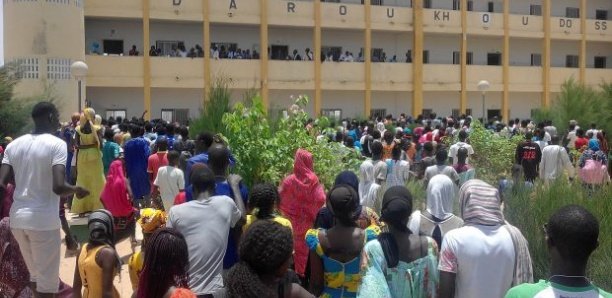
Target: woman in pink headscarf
301, 198
116, 199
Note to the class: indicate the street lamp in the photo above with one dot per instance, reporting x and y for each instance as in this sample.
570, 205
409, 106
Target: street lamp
483, 86
78, 70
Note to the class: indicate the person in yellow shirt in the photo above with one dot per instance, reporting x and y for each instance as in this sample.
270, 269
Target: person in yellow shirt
151, 219
263, 202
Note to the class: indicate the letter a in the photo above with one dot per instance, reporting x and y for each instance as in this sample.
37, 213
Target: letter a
233, 4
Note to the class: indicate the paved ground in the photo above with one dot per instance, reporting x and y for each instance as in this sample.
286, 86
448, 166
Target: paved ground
122, 282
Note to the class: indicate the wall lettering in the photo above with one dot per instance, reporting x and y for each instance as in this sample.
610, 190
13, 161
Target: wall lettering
486, 18
390, 12
567, 23
601, 25
233, 4
445, 15
342, 10
176, 2
525, 20
290, 7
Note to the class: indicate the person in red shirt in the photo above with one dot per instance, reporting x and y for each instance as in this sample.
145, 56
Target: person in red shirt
158, 159
581, 142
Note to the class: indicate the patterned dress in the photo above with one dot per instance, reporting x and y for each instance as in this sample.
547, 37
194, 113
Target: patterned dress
341, 279
418, 278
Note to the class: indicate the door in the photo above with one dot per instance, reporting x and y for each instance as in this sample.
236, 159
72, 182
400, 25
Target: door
279, 52
112, 46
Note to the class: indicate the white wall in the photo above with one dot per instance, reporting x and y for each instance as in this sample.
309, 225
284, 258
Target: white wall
599, 49
492, 102
176, 98
296, 38
522, 7
349, 40
482, 46
129, 99
557, 8
351, 102
521, 104
559, 49
442, 103
483, 5
394, 102
441, 47
393, 43
441, 4
521, 50
130, 31
593, 5
189, 33
246, 36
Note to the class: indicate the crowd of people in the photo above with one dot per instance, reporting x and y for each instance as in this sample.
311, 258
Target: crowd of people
206, 234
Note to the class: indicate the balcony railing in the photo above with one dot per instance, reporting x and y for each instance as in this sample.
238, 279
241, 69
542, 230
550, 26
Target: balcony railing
177, 72
291, 75
114, 71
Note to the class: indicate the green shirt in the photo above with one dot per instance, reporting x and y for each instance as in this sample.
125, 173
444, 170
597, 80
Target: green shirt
545, 289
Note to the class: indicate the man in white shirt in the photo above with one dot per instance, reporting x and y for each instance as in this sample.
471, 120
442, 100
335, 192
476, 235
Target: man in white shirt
205, 223
554, 161
441, 168
571, 136
453, 149
38, 163
170, 180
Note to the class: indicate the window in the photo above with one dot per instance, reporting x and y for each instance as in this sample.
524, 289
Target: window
536, 60
165, 47
175, 115
58, 69
111, 46
493, 58
456, 57
27, 68
456, 113
601, 14
426, 3
332, 114
425, 56
571, 61
279, 52
378, 113
535, 10
377, 55
456, 4
374, 2
426, 112
335, 52
491, 6
470, 58
572, 12
600, 62
115, 113
470, 5
493, 113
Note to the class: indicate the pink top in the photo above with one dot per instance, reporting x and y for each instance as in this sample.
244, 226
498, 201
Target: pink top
156, 161
115, 193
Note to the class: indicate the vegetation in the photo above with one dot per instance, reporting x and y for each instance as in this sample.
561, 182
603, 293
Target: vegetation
215, 106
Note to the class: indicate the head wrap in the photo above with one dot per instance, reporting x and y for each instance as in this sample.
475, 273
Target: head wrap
440, 195
114, 195
594, 144
480, 204
343, 202
396, 207
349, 178
101, 221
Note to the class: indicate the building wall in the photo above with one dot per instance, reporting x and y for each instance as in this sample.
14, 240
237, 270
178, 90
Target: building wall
559, 49
521, 50
598, 49
176, 98
349, 40
441, 47
441, 102
522, 103
247, 36
189, 33
296, 38
481, 46
130, 31
107, 98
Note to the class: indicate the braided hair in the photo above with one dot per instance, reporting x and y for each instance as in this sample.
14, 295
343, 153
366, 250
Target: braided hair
265, 248
165, 264
264, 197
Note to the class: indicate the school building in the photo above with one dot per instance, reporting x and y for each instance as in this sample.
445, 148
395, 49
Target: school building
412, 56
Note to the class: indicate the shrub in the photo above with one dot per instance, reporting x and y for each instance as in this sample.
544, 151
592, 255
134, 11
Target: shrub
216, 105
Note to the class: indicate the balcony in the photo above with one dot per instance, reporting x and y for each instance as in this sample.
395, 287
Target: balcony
113, 8
165, 10
565, 28
247, 12
295, 13
342, 75
441, 77
596, 76
558, 75
598, 30
244, 74
440, 20
526, 26
525, 78
391, 76
339, 15
485, 23
291, 75
391, 18
176, 72
476, 73
114, 71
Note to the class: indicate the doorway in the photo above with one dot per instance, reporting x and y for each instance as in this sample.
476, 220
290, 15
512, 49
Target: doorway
278, 52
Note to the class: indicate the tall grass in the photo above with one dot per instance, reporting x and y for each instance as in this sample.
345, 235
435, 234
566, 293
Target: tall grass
529, 210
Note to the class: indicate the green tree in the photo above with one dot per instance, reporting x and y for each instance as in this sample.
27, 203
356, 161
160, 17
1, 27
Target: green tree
215, 106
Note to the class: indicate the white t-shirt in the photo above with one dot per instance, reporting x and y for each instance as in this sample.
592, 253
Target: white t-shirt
455, 147
483, 259
205, 225
32, 157
170, 181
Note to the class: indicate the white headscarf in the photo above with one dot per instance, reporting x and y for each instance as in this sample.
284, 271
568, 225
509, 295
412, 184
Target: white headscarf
440, 195
368, 189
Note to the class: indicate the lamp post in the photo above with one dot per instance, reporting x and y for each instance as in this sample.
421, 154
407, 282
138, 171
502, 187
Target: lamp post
483, 86
78, 70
